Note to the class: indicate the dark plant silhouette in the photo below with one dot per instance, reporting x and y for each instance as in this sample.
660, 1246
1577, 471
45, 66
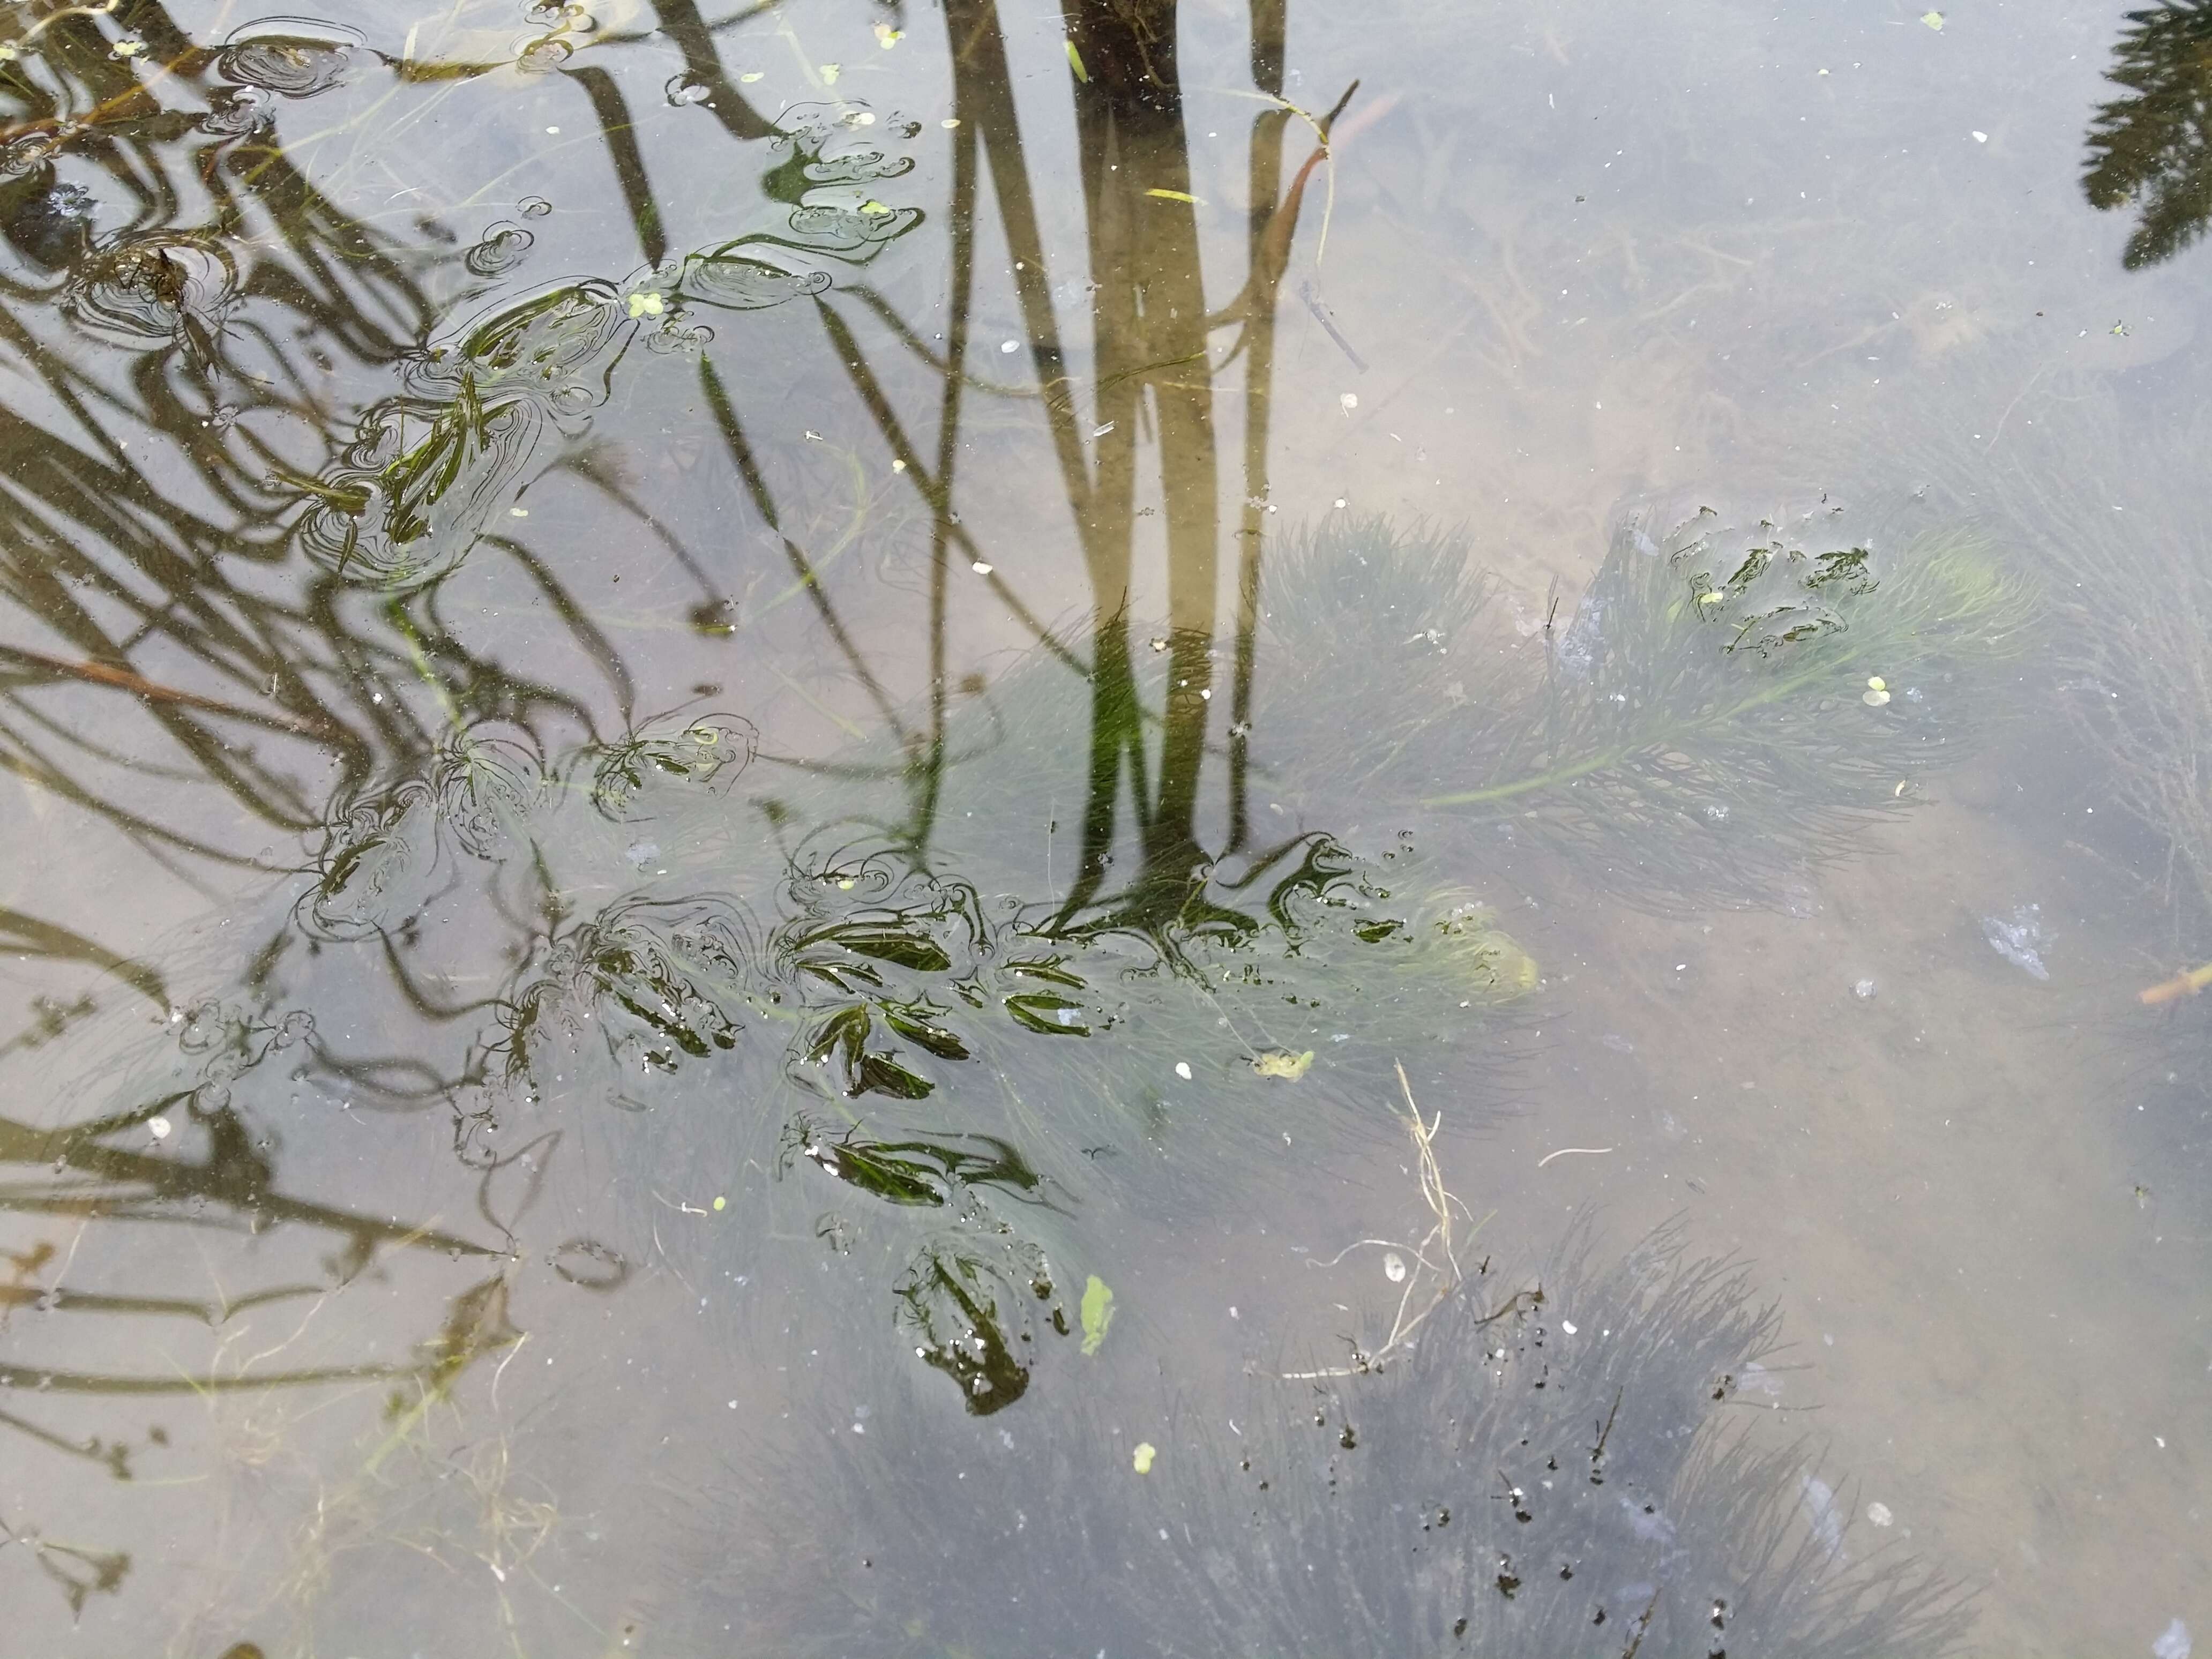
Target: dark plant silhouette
265, 437
274, 465
1561, 1468
2151, 150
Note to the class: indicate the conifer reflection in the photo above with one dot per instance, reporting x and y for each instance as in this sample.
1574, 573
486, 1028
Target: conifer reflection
2151, 149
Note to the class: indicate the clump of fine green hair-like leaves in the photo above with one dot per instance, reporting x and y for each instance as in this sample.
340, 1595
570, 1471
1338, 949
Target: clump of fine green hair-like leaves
2131, 649
1726, 704
1556, 1469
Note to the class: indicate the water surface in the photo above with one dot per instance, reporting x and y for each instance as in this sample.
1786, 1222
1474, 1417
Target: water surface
861, 828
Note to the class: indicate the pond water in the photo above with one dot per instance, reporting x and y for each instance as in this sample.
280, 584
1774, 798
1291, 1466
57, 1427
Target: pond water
980, 831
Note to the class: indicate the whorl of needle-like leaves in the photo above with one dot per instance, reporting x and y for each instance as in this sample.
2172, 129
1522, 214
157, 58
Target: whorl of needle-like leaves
1553, 1471
1702, 727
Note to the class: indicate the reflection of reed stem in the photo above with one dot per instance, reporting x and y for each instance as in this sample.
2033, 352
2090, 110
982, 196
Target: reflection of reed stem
100, 673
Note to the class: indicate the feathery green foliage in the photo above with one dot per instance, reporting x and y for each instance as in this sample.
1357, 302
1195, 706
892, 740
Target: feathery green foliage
1708, 721
1550, 1471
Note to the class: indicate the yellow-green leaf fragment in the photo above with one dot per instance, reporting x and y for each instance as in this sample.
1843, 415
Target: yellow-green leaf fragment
1934, 20
1097, 1315
1141, 1461
1282, 1063
1075, 63
1175, 196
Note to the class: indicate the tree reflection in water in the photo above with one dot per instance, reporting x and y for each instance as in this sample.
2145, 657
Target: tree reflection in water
274, 410
2151, 149
346, 396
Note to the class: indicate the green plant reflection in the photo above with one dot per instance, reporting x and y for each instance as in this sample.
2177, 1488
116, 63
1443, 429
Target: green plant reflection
332, 443
2151, 147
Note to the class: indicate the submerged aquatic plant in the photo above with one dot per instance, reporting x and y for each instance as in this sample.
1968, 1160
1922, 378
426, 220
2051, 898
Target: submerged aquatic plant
949, 1069
1551, 1473
1716, 714
2132, 644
